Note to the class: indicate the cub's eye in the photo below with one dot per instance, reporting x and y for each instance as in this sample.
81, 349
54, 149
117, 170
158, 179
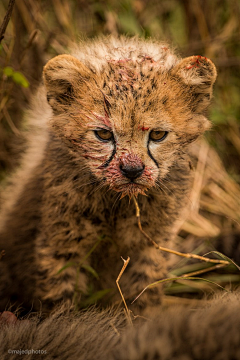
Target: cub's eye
104, 135
157, 135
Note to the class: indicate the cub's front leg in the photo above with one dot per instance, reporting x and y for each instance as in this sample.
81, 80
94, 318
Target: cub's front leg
60, 254
147, 265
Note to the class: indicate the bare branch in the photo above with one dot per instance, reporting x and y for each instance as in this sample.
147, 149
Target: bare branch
188, 255
6, 19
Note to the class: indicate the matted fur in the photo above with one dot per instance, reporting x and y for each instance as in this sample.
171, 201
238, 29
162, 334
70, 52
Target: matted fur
85, 336
74, 188
211, 333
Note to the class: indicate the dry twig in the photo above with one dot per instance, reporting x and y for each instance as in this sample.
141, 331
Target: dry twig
125, 264
187, 255
6, 19
202, 271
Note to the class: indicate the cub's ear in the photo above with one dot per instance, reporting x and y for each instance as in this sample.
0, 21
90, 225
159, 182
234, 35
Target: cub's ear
199, 74
63, 76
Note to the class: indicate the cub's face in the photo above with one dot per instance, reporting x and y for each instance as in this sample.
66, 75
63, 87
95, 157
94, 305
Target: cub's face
131, 121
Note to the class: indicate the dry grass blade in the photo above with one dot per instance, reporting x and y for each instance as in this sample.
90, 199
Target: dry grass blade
125, 264
10, 122
177, 279
224, 257
218, 193
186, 255
199, 174
215, 196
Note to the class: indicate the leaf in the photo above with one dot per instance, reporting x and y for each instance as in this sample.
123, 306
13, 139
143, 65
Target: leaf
177, 288
225, 257
17, 76
90, 270
20, 79
80, 264
175, 279
98, 295
8, 71
102, 237
225, 278
70, 263
190, 268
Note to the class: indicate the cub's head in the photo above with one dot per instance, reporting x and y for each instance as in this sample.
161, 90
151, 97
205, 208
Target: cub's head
130, 119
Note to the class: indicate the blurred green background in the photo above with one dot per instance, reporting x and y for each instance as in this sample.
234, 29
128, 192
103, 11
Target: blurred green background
40, 29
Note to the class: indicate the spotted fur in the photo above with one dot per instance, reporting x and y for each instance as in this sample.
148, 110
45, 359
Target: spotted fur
74, 188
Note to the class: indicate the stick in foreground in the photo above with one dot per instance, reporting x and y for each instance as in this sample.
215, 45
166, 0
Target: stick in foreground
186, 255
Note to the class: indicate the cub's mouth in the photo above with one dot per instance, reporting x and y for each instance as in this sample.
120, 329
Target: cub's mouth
131, 189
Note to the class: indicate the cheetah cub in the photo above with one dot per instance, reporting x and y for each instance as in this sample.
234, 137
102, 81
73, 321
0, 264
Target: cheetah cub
111, 121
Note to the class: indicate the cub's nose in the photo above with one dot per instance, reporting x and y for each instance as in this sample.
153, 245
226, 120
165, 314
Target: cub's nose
132, 172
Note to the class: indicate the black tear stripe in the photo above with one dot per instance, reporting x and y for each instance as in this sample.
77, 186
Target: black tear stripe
111, 157
150, 155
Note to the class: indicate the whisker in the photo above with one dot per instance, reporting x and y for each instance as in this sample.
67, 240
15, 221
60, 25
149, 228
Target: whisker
86, 184
158, 186
160, 183
97, 188
115, 202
